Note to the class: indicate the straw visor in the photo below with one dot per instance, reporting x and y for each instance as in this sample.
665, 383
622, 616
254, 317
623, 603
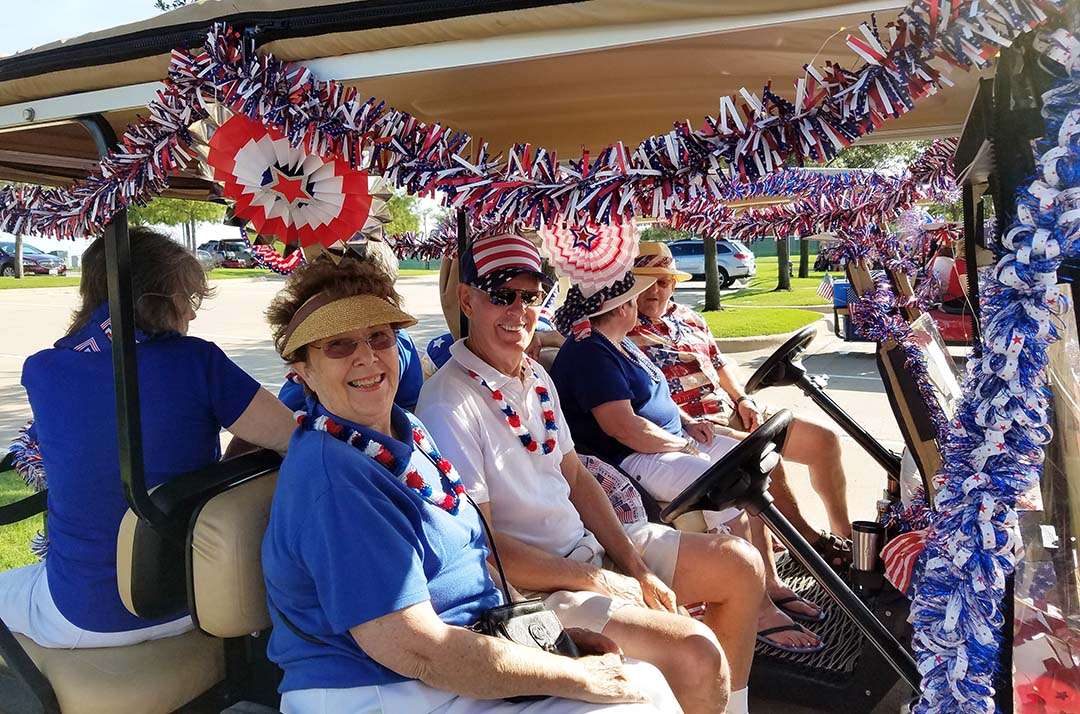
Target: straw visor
321, 317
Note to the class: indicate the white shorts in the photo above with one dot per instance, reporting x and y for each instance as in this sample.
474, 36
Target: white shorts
418, 698
658, 546
667, 475
27, 607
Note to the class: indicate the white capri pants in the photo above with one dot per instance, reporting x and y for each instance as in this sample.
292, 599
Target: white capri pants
667, 475
27, 607
418, 698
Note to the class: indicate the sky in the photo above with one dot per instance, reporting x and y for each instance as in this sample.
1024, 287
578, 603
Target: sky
29, 24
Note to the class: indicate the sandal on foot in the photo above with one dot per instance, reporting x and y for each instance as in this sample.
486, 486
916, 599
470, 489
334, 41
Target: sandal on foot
833, 549
795, 614
763, 637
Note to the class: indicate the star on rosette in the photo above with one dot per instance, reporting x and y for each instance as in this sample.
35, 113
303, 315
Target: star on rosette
284, 191
590, 255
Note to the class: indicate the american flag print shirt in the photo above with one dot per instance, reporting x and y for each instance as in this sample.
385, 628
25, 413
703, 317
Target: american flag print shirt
682, 346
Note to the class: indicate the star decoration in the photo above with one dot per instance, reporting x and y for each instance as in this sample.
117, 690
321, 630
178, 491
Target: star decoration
291, 188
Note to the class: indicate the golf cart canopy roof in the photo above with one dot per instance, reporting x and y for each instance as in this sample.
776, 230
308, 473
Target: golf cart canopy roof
558, 74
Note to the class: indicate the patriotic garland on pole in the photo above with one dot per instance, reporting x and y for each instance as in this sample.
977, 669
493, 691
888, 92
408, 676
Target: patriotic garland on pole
832, 108
993, 451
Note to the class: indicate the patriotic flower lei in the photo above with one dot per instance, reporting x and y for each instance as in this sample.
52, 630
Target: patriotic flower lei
551, 427
449, 496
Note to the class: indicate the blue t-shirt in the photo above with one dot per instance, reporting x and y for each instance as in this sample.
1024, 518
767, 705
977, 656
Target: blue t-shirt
348, 542
591, 372
410, 378
188, 390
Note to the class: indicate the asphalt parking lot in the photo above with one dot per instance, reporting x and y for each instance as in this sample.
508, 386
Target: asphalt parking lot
34, 318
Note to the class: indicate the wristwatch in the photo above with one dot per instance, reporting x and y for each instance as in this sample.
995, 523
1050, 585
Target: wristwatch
745, 398
690, 448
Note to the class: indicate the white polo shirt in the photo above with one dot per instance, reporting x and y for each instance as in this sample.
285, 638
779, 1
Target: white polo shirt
530, 499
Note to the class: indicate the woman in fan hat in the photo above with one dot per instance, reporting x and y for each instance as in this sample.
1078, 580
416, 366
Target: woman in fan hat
620, 409
375, 562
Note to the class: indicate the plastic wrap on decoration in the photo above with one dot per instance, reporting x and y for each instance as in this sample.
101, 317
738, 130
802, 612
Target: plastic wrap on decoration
833, 107
993, 450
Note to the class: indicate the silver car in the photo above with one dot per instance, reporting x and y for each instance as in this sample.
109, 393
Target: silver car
734, 261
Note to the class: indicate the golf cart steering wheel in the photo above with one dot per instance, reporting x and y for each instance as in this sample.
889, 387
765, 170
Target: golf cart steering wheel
741, 472
774, 372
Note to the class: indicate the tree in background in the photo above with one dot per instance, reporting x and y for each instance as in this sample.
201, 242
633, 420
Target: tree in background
403, 215
18, 241
166, 5
660, 232
177, 212
881, 157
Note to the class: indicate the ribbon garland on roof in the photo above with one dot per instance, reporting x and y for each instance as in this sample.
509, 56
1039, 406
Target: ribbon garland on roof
832, 107
824, 205
993, 451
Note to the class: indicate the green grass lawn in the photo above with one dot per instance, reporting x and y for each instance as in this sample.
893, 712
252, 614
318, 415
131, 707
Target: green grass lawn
39, 281
15, 539
406, 272
760, 291
228, 273
748, 322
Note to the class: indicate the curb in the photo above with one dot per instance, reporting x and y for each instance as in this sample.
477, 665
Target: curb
762, 342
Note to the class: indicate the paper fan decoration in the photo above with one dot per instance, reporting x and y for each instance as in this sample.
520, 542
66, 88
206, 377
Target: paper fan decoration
593, 255
285, 191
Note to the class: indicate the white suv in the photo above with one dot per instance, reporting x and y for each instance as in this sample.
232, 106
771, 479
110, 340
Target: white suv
734, 261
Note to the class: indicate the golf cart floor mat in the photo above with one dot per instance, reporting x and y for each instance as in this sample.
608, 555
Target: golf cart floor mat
843, 640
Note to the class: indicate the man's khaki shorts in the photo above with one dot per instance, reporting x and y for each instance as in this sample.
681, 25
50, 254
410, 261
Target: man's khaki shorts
735, 421
658, 546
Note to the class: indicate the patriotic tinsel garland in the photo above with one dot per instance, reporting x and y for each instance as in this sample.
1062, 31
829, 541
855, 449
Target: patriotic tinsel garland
832, 108
993, 450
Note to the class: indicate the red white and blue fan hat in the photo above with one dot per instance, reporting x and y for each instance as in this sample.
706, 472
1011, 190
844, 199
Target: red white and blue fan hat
572, 319
493, 260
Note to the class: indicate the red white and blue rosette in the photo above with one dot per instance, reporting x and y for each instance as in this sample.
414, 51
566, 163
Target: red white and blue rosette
591, 255
285, 191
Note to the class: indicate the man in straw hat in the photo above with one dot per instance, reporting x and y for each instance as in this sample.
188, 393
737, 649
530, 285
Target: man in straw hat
495, 413
707, 385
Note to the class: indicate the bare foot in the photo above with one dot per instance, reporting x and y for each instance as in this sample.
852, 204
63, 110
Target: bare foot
770, 616
779, 591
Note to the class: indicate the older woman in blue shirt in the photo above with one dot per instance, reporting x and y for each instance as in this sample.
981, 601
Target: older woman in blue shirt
189, 391
375, 563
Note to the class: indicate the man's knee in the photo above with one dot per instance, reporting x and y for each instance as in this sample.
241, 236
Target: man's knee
702, 660
740, 562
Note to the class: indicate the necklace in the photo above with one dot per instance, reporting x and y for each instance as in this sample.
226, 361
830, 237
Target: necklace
451, 488
629, 350
551, 428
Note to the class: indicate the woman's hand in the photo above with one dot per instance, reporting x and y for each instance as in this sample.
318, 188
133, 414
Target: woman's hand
699, 430
749, 413
656, 594
608, 682
592, 643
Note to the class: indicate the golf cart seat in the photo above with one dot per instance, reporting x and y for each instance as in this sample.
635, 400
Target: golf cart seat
205, 560
158, 676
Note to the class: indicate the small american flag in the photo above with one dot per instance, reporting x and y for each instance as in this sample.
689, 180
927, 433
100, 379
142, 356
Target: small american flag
900, 556
825, 288
546, 320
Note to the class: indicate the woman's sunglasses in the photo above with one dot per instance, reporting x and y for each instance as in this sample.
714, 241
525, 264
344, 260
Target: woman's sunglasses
343, 347
508, 296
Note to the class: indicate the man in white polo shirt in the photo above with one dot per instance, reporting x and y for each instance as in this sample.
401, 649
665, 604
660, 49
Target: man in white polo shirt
495, 414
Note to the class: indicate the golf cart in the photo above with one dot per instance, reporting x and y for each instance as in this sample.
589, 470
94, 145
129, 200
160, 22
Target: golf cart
193, 543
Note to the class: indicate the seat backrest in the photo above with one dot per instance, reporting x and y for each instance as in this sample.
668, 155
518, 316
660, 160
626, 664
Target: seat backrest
153, 563
226, 593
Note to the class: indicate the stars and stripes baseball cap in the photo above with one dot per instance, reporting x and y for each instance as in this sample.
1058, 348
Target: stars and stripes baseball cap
493, 260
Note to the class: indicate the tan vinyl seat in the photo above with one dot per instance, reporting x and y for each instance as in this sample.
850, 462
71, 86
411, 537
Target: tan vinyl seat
154, 677
227, 593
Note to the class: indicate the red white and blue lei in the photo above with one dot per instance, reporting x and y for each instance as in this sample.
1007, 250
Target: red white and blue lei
446, 496
551, 427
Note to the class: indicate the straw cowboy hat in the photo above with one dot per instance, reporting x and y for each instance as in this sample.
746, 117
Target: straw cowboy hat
654, 260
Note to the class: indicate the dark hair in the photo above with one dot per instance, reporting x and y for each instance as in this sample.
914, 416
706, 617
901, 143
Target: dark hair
162, 271
347, 278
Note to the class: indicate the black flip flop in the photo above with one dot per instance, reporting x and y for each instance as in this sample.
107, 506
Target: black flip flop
795, 614
763, 637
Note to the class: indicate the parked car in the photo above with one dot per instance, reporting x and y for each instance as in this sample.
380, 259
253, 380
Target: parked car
206, 260
734, 261
232, 253
35, 262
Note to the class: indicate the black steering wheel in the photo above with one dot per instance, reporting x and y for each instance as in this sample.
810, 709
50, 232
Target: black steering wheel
741, 473
775, 371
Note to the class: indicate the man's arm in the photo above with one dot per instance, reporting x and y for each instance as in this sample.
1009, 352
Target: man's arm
599, 517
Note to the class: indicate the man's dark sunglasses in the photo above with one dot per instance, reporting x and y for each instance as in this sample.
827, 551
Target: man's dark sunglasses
508, 296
